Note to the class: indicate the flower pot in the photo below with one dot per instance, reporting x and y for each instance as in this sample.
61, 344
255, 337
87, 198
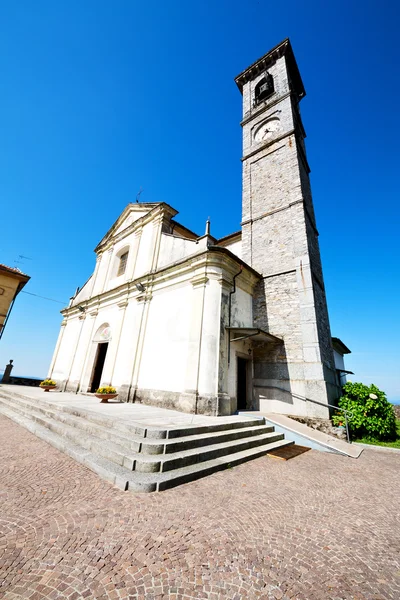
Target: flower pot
47, 388
106, 397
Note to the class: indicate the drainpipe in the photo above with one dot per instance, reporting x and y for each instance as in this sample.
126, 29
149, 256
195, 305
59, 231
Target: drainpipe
233, 291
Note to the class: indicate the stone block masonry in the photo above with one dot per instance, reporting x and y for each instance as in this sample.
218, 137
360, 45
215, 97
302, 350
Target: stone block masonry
280, 241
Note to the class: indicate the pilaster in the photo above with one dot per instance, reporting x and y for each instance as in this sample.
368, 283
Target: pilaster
190, 397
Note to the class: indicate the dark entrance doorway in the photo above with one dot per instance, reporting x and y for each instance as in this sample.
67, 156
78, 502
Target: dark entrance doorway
241, 384
98, 366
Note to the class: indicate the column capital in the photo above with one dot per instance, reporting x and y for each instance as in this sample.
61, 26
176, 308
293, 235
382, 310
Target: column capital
199, 280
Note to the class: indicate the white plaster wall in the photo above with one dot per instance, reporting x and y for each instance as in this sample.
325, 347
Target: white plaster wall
104, 277
175, 248
126, 355
102, 271
134, 216
235, 248
146, 248
166, 340
84, 293
241, 316
241, 308
80, 349
66, 350
128, 244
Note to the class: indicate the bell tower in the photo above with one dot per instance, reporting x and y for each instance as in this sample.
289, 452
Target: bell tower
280, 241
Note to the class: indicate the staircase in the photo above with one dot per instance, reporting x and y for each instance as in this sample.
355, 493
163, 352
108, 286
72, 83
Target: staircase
137, 458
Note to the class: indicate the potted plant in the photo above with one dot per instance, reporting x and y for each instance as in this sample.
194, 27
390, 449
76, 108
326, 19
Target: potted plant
106, 393
47, 385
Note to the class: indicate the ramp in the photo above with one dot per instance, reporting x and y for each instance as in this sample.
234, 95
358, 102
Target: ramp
299, 433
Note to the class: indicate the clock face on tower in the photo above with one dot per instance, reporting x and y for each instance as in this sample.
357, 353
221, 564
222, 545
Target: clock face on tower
266, 130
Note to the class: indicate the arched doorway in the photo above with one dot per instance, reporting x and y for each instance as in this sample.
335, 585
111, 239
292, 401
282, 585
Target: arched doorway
101, 340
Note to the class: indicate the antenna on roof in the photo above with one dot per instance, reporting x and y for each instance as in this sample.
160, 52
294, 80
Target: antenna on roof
138, 194
21, 259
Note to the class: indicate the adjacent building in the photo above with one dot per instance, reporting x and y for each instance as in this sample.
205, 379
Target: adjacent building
11, 283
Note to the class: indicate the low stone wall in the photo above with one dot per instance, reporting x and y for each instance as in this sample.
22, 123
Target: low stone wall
324, 425
396, 408
23, 381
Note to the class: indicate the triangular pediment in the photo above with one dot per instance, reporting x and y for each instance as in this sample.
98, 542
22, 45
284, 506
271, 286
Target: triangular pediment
132, 213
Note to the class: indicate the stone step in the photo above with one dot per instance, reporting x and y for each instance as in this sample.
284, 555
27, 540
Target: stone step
132, 480
173, 478
111, 472
150, 433
28, 408
199, 455
111, 450
172, 445
135, 442
123, 455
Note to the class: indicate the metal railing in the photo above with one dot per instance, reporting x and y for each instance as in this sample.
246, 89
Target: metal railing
348, 415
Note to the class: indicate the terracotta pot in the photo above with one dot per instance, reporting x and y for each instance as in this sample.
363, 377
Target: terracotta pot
106, 397
47, 388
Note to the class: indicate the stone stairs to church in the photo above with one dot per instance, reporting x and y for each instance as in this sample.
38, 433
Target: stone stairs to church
138, 458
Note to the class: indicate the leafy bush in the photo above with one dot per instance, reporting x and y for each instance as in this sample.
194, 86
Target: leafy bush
372, 414
47, 382
107, 389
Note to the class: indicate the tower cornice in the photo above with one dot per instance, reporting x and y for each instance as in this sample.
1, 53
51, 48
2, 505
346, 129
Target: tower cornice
266, 61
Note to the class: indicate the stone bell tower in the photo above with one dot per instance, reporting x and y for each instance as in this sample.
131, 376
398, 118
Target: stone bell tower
280, 241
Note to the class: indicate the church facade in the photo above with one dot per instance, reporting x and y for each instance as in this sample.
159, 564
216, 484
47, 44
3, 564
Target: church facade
207, 325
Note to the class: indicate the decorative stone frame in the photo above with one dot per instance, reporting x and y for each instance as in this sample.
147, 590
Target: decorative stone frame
116, 262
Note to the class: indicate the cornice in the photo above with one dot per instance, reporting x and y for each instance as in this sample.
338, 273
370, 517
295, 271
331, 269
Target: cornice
214, 257
269, 59
268, 145
263, 63
264, 107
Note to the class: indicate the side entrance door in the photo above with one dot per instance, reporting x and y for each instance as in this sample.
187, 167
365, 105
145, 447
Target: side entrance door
242, 383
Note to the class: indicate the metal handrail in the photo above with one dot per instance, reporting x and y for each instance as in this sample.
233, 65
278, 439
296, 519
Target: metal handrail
348, 415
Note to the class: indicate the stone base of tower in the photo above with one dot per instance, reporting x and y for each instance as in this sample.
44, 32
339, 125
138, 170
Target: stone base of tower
296, 395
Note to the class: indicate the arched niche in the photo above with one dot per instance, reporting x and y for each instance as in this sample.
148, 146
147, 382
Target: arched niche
103, 334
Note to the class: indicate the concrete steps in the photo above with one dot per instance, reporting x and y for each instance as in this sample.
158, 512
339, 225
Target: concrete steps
137, 458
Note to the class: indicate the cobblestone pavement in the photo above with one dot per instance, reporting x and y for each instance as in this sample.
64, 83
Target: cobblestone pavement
320, 527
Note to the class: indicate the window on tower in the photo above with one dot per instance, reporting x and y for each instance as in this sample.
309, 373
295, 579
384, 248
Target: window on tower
264, 88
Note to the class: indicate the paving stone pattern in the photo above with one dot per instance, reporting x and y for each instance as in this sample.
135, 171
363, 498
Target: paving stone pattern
320, 527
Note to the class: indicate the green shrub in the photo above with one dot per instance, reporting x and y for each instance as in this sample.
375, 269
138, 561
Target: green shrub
372, 414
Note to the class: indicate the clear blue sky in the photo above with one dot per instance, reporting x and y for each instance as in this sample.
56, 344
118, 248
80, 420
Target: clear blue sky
100, 98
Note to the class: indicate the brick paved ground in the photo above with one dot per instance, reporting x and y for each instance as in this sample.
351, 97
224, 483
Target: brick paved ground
317, 527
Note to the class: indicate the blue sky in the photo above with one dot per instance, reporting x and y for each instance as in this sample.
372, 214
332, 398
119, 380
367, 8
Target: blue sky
101, 98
